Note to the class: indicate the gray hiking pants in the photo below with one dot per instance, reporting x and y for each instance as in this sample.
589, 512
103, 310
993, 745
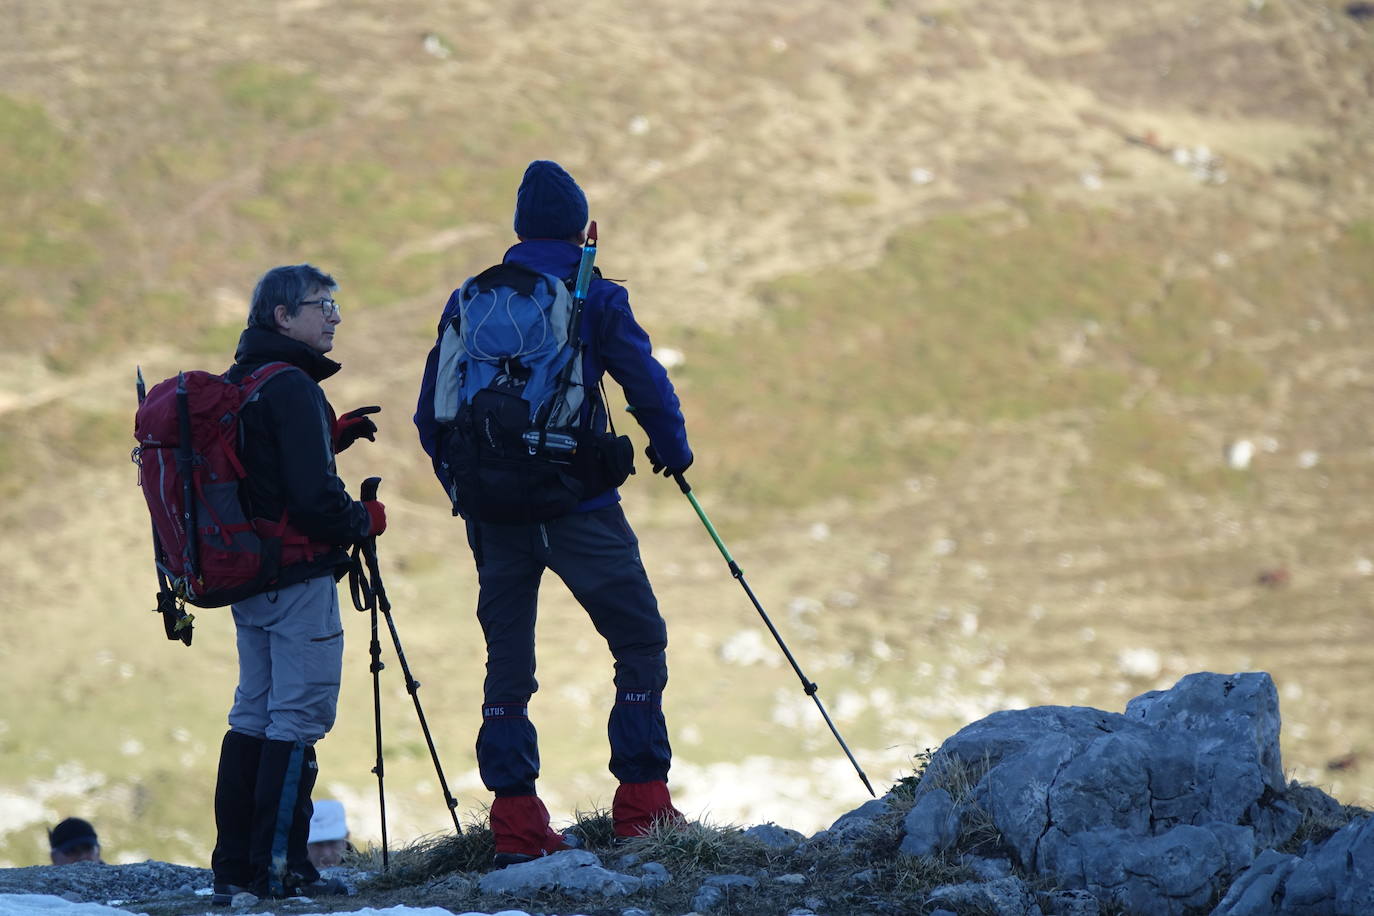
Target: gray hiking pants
290, 646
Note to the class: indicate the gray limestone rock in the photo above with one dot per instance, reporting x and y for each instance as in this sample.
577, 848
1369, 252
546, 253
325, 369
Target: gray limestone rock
931, 825
707, 898
775, 837
654, 875
1335, 878
989, 869
1004, 897
728, 881
572, 871
1167, 802
862, 814
1260, 888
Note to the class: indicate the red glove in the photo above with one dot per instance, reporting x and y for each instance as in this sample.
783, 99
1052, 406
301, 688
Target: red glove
376, 517
353, 426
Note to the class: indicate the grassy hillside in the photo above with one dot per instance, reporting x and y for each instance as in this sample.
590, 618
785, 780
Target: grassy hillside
968, 321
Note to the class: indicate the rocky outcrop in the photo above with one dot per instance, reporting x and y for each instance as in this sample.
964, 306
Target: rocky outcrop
1159, 810
1336, 876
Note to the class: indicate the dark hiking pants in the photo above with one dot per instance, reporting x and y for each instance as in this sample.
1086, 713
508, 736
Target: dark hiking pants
596, 554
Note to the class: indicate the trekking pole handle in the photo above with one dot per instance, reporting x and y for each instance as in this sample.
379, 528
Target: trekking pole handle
369, 548
682, 483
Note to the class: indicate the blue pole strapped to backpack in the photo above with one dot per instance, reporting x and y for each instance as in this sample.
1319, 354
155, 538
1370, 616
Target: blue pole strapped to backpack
584, 268
580, 287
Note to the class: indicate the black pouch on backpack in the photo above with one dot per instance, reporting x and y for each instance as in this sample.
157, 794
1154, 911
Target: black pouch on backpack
614, 461
495, 477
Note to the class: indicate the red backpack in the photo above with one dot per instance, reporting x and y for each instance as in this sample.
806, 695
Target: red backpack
208, 548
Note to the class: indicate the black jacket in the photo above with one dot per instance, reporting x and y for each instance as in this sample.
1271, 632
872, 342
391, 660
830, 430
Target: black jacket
288, 451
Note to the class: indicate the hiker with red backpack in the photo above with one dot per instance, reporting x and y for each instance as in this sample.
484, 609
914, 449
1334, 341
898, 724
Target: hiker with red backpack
289, 633
511, 415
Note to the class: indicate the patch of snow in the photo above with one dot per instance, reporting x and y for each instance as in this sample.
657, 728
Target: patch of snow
1239, 453
748, 647
436, 47
1139, 662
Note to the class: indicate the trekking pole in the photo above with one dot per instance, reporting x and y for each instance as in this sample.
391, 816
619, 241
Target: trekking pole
808, 685
364, 599
176, 623
379, 767
581, 282
377, 599
185, 462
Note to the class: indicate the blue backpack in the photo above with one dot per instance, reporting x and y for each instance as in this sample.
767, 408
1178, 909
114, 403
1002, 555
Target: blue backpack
514, 443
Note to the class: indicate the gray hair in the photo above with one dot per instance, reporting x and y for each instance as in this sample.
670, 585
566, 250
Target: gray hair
284, 286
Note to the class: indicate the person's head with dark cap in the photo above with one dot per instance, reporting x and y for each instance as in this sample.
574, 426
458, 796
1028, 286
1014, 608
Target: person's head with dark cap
73, 840
549, 204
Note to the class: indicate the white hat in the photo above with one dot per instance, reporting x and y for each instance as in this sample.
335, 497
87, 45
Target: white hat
328, 823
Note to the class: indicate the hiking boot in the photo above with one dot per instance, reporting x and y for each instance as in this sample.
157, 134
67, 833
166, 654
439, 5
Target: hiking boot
640, 805
322, 887
294, 885
520, 827
223, 894
502, 859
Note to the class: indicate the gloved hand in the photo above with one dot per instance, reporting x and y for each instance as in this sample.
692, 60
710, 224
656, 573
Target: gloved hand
658, 467
353, 426
376, 517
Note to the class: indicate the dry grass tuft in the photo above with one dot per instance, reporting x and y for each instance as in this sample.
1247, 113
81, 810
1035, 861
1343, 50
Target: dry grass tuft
698, 846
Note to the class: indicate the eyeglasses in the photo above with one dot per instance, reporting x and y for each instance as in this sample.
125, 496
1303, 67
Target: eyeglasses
328, 307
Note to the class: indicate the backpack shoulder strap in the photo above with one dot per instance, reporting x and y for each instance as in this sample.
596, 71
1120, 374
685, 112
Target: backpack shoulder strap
261, 376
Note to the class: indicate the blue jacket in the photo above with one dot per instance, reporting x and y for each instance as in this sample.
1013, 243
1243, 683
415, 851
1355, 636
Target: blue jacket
615, 344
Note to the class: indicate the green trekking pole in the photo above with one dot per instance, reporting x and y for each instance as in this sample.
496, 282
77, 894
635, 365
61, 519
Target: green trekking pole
807, 684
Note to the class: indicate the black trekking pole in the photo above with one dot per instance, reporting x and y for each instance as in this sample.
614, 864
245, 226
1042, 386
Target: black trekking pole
370, 590
808, 685
365, 599
176, 623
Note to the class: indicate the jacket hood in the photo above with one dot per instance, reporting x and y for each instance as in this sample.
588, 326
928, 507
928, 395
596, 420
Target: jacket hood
260, 345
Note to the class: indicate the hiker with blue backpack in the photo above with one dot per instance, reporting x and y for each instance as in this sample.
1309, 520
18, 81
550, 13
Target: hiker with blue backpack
513, 416
289, 633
